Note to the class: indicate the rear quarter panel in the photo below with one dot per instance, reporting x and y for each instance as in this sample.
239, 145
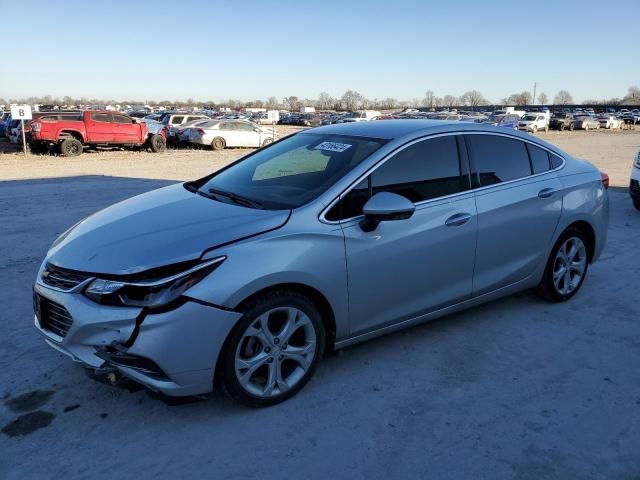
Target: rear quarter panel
584, 199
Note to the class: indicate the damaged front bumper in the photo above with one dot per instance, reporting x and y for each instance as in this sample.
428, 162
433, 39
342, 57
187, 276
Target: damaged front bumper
171, 351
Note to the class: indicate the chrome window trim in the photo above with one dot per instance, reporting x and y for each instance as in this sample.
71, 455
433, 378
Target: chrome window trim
322, 216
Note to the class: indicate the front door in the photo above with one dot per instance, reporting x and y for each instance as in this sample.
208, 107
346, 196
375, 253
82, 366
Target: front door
406, 268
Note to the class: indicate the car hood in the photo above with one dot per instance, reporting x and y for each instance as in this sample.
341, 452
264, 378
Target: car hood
158, 228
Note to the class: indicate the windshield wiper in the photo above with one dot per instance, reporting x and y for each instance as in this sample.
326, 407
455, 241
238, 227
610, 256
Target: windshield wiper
238, 199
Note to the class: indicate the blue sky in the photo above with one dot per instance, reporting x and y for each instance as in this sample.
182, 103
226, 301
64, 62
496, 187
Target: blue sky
214, 50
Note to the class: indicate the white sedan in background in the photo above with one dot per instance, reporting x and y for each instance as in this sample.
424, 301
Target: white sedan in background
221, 134
610, 121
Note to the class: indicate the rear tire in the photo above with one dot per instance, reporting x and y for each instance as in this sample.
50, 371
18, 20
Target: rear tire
157, 143
267, 141
571, 127
70, 147
636, 203
553, 281
562, 127
273, 350
218, 143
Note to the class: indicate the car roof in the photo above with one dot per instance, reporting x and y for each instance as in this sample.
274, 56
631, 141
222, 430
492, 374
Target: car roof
410, 129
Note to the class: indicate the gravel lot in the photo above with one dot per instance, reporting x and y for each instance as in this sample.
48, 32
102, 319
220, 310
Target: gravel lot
516, 389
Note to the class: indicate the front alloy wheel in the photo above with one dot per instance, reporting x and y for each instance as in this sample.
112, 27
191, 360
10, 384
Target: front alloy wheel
273, 350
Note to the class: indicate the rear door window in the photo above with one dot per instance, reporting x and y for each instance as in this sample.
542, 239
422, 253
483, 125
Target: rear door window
498, 159
177, 120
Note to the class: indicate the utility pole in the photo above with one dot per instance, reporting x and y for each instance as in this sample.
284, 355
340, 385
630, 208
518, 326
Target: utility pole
533, 99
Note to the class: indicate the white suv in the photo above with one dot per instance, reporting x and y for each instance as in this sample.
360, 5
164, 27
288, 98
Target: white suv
533, 122
634, 186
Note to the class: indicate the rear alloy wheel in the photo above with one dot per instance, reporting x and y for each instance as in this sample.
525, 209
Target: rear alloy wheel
70, 147
157, 143
566, 268
586, 128
218, 143
273, 350
571, 127
562, 127
267, 141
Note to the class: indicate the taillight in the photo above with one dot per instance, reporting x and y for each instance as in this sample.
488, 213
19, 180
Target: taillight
605, 179
35, 126
200, 131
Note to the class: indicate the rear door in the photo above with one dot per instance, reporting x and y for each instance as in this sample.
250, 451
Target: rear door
99, 127
125, 130
407, 268
519, 202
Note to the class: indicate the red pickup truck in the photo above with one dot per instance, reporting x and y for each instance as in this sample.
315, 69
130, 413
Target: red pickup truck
92, 128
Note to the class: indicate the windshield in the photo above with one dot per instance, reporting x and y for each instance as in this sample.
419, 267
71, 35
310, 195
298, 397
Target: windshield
291, 172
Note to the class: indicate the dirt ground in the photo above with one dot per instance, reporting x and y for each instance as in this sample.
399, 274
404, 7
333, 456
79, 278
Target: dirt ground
611, 151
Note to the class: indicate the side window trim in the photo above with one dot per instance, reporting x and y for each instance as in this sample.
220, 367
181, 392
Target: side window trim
368, 175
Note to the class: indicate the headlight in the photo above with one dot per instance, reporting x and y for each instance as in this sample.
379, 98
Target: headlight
152, 293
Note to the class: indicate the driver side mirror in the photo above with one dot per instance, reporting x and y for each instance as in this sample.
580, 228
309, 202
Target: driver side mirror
384, 207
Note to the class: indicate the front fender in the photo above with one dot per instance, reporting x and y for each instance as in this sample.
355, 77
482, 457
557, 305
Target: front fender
313, 259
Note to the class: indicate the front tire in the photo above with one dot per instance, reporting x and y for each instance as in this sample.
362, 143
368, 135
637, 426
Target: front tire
566, 268
273, 350
70, 147
636, 203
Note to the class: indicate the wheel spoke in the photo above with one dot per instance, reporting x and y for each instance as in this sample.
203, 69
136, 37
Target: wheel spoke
299, 354
246, 367
275, 380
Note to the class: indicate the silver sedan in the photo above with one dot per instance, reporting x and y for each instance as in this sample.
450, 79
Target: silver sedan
334, 235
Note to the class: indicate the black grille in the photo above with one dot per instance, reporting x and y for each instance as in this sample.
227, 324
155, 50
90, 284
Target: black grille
53, 316
62, 278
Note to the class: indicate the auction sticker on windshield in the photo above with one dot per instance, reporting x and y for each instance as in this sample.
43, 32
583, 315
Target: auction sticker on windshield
333, 147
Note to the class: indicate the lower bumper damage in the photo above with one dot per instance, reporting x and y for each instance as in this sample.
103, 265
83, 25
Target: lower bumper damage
171, 352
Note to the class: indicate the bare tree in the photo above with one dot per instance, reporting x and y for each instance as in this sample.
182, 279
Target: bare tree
542, 98
351, 100
633, 96
473, 98
563, 98
324, 101
429, 99
449, 101
523, 98
272, 103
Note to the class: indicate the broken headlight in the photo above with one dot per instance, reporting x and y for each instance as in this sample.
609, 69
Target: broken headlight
148, 293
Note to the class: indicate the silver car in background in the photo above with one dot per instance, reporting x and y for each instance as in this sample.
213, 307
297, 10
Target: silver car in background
331, 236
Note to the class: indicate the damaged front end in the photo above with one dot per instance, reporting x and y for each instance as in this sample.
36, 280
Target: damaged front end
145, 327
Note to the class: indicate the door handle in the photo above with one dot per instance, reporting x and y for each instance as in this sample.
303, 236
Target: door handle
546, 192
458, 219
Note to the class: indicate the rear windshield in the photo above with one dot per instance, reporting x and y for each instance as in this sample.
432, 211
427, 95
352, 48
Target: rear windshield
293, 171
